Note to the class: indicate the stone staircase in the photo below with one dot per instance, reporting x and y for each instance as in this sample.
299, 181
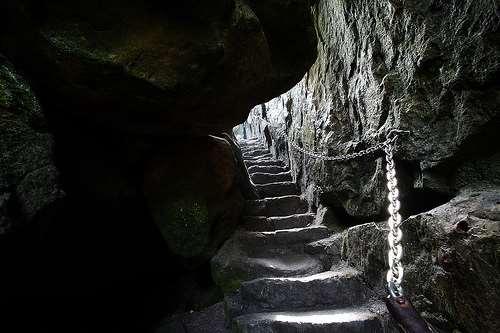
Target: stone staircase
273, 270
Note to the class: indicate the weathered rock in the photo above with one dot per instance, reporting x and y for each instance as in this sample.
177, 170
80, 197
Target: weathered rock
210, 320
267, 169
355, 320
245, 184
328, 249
430, 67
236, 262
276, 163
29, 181
196, 208
262, 223
161, 67
451, 270
278, 206
330, 289
262, 178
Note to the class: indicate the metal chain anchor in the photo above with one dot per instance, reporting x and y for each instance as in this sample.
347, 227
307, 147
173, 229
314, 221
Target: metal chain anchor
395, 273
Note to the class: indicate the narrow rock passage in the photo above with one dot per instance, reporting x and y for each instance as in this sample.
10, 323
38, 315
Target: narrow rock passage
274, 277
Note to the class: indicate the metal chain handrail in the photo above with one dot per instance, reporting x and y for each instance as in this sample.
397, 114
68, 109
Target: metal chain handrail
394, 276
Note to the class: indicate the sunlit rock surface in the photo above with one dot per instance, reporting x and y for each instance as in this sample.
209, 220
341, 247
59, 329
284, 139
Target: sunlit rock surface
451, 266
430, 67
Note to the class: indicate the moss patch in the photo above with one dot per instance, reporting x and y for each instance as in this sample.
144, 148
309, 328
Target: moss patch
185, 226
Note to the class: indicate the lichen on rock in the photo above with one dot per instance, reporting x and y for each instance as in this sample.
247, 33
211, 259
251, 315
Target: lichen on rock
185, 226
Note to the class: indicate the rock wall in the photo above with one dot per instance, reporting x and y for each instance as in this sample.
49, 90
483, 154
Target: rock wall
430, 67
451, 270
184, 67
136, 99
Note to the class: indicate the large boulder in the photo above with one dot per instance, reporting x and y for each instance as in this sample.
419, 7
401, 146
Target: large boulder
29, 183
30, 194
194, 195
452, 272
430, 67
161, 67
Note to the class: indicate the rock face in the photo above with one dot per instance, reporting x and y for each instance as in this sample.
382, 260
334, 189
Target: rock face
430, 67
450, 256
29, 182
157, 67
30, 193
132, 94
195, 203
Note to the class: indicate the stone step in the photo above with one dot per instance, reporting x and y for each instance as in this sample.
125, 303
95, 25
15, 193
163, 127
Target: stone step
255, 152
277, 189
230, 268
346, 320
326, 290
277, 206
328, 249
284, 238
262, 223
267, 169
253, 141
265, 178
265, 162
259, 157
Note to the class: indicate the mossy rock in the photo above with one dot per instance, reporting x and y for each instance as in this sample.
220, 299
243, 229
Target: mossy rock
184, 224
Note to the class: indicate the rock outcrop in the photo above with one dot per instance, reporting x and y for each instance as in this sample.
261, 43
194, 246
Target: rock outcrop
29, 183
430, 67
158, 67
137, 99
451, 269
30, 194
196, 203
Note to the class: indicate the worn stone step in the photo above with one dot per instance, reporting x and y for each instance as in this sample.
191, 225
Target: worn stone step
331, 289
250, 141
267, 169
232, 265
284, 238
277, 189
265, 178
262, 223
259, 157
328, 249
265, 162
246, 151
255, 152
346, 320
278, 206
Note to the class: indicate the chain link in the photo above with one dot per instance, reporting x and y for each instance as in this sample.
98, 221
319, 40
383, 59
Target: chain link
395, 273
394, 276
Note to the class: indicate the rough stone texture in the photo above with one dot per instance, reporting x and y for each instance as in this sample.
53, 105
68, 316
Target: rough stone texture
451, 257
195, 205
161, 67
430, 67
327, 290
210, 320
131, 93
28, 177
354, 320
